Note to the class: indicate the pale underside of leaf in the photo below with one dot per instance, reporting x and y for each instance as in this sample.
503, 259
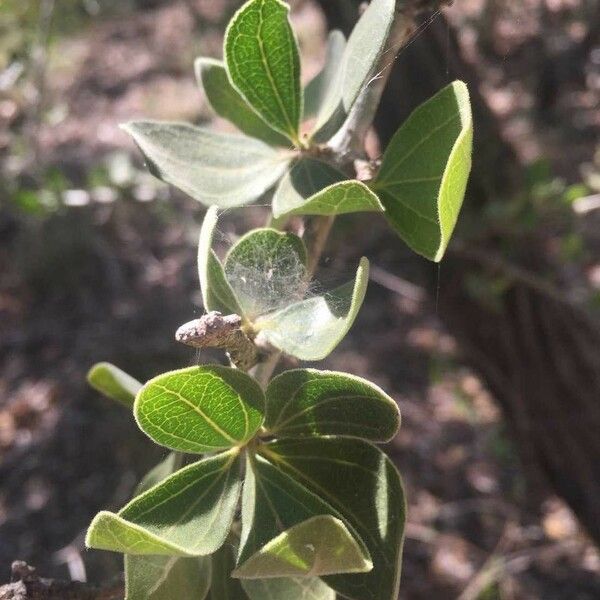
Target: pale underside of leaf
360, 482
166, 578
216, 291
229, 104
312, 328
114, 383
319, 87
214, 168
307, 402
188, 514
261, 54
299, 588
365, 46
321, 545
423, 177
200, 409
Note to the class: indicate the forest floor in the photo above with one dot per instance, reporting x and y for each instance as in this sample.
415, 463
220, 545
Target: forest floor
112, 274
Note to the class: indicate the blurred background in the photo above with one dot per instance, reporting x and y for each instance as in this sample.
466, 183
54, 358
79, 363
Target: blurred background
493, 357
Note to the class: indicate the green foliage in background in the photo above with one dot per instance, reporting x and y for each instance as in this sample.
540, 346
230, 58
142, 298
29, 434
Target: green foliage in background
274, 487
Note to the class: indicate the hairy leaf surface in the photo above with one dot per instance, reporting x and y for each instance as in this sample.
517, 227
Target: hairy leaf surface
423, 177
188, 514
229, 104
362, 484
312, 328
114, 383
214, 168
200, 409
307, 402
263, 63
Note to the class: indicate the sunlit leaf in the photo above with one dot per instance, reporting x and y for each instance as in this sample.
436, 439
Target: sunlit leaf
272, 504
312, 328
305, 402
216, 291
361, 56
200, 409
362, 484
266, 270
283, 588
320, 545
319, 87
166, 578
114, 383
226, 587
188, 514
423, 177
312, 187
214, 168
306, 178
261, 55
227, 102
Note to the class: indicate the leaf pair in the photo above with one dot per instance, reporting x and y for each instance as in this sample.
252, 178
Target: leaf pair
265, 280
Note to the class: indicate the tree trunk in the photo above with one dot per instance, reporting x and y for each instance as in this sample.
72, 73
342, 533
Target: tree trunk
537, 352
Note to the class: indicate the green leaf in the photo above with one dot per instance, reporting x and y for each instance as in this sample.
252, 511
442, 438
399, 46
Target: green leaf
305, 402
320, 545
266, 270
214, 168
299, 588
223, 586
313, 188
320, 86
161, 471
307, 177
216, 291
261, 55
365, 46
114, 383
166, 578
423, 177
227, 102
200, 409
187, 514
362, 484
312, 328
272, 504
